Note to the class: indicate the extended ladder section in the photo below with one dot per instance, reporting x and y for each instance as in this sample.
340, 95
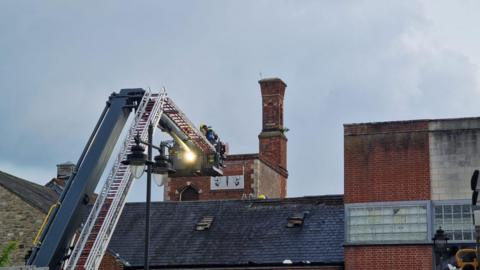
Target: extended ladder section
173, 112
100, 224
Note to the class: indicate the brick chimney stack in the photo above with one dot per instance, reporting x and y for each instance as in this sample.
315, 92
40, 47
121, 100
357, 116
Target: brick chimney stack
273, 142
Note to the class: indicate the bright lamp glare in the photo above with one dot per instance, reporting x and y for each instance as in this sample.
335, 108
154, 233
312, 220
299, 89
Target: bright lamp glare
190, 156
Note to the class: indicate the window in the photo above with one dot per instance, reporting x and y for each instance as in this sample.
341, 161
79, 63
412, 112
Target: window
189, 194
204, 224
387, 223
456, 220
296, 220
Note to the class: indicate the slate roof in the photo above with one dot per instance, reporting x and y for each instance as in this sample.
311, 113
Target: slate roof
36, 195
244, 232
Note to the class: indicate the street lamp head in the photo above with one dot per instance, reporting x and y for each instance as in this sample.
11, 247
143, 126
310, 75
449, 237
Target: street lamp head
161, 168
160, 179
162, 165
136, 159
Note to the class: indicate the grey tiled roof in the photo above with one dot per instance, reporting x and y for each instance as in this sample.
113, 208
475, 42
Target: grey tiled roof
36, 195
243, 232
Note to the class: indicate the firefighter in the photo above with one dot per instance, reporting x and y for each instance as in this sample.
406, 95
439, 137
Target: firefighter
212, 137
203, 129
223, 149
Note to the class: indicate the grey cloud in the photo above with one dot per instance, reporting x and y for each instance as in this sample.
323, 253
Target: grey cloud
343, 61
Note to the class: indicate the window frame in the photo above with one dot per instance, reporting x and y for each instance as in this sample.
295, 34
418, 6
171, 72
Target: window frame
188, 188
429, 222
452, 203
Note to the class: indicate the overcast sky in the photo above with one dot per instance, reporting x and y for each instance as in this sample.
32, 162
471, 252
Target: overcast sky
343, 62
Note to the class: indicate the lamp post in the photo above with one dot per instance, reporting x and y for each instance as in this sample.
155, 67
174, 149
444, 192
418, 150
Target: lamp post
440, 241
159, 168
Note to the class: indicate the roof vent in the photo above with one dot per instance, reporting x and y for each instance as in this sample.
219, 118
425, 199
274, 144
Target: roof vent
296, 220
204, 224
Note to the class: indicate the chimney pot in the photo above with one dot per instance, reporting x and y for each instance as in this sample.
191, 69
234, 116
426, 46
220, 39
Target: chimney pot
65, 170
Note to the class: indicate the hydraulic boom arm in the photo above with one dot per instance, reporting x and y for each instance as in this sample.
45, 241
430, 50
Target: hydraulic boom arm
66, 219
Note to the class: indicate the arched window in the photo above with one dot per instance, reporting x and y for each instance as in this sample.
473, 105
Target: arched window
189, 194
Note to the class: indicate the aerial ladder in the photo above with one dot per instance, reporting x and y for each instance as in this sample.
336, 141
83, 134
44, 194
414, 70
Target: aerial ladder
76, 235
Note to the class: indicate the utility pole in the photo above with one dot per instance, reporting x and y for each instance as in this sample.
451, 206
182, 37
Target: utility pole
476, 214
149, 191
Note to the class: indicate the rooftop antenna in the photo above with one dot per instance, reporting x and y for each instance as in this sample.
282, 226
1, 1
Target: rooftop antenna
261, 75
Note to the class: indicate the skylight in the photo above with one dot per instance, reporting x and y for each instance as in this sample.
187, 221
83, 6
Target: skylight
204, 224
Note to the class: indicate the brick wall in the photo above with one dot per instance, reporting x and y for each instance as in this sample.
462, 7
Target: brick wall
386, 162
272, 141
273, 92
385, 127
273, 148
19, 221
202, 183
388, 257
259, 178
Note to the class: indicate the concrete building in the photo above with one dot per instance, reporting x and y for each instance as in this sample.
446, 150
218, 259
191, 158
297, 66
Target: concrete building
246, 175
403, 180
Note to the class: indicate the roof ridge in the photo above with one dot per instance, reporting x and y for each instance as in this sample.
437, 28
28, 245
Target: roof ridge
412, 121
18, 178
284, 200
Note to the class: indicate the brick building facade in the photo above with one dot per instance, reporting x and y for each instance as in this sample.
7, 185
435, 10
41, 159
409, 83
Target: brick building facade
247, 175
403, 180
